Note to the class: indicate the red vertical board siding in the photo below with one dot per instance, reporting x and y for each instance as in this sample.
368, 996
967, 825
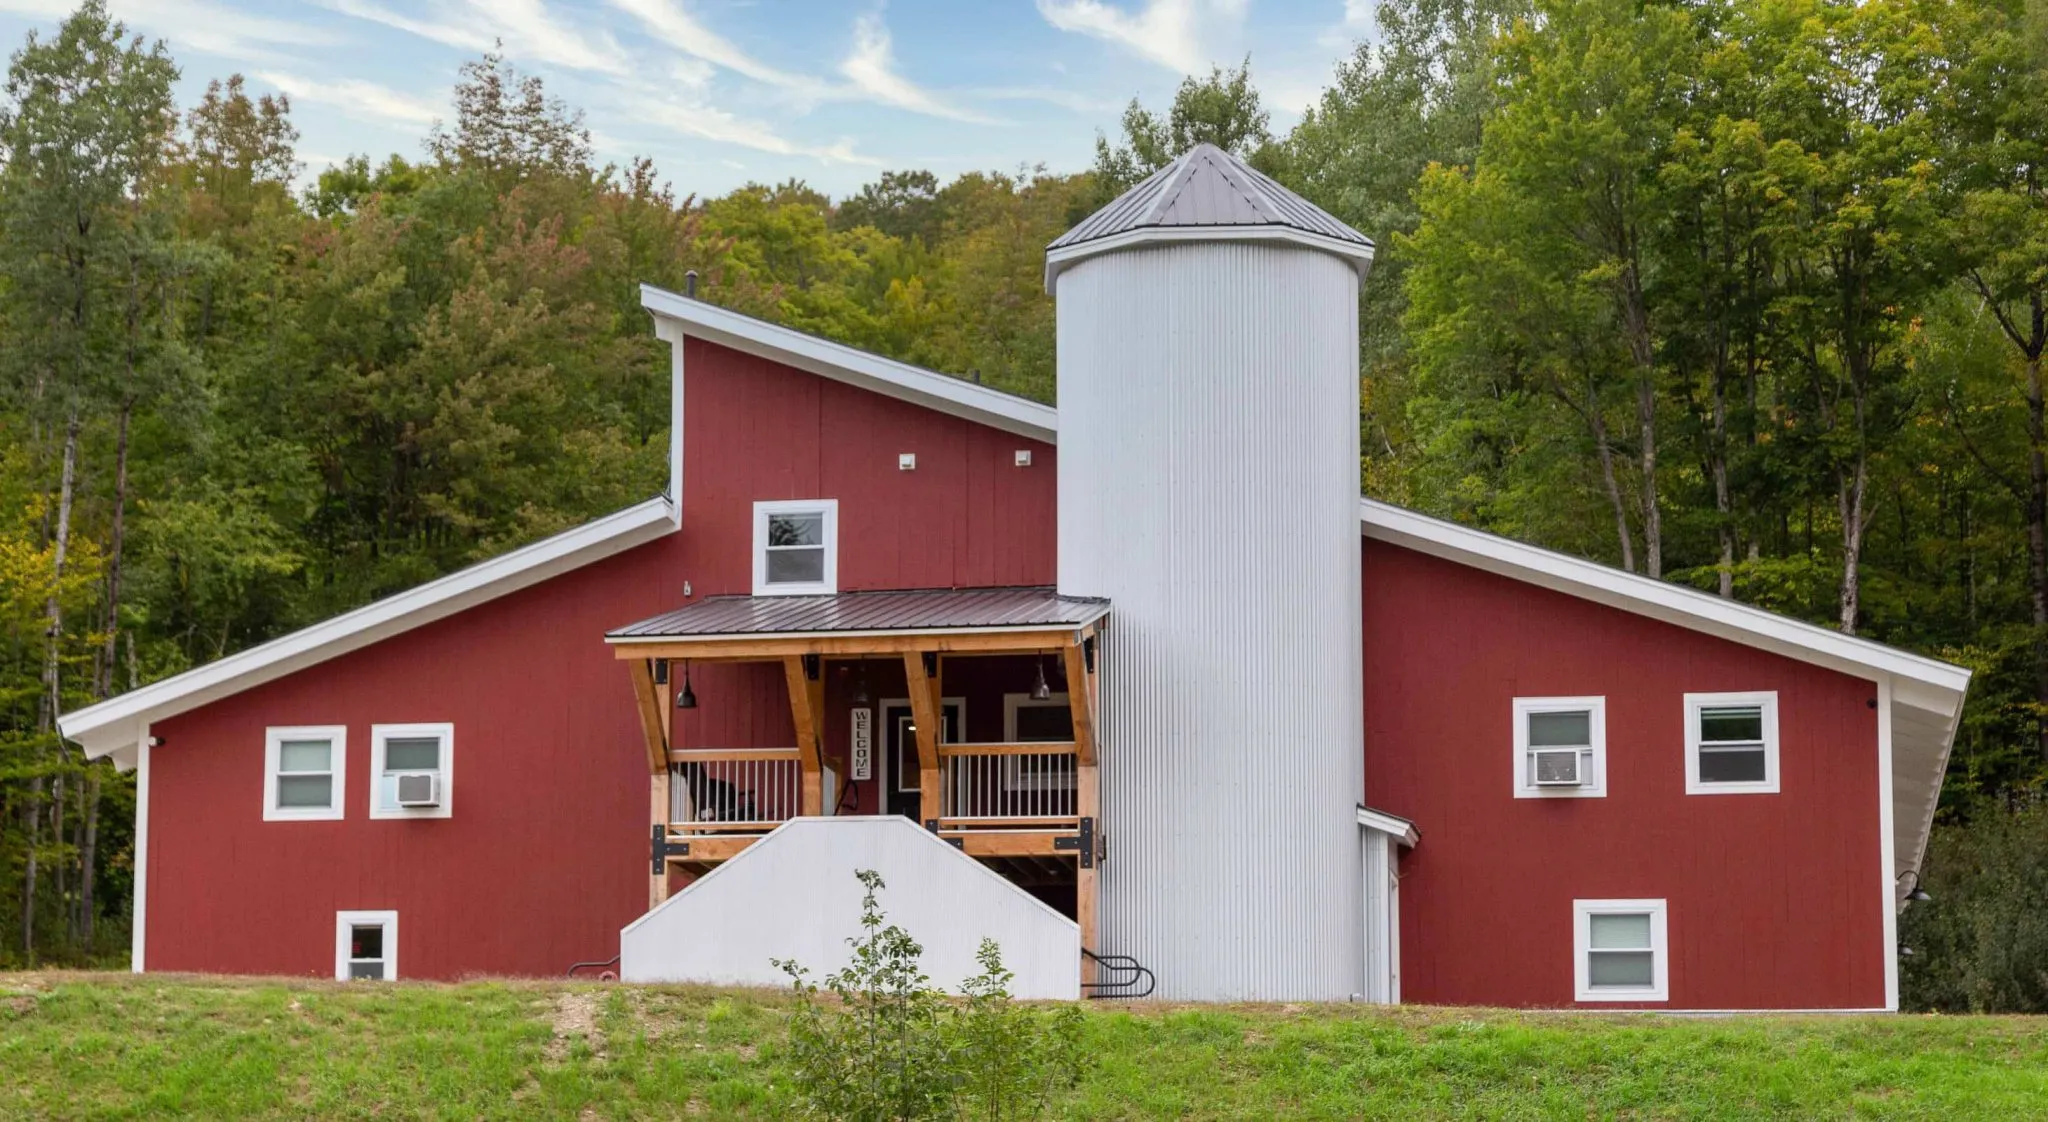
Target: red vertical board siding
545, 855
1774, 901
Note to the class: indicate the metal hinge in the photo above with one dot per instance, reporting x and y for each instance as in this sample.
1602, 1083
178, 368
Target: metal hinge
1084, 845
663, 848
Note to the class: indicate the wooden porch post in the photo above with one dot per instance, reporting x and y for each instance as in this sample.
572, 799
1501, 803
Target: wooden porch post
652, 701
806, 707
1081, 694
925, 708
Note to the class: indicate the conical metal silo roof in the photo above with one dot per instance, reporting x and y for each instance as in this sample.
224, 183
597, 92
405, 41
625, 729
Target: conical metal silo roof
1206, 194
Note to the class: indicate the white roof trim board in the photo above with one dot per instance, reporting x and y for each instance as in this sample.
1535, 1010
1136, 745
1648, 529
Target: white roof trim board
1392, 825
114, 727
953, 396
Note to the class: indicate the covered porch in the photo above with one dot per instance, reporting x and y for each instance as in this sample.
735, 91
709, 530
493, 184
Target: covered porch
971, 712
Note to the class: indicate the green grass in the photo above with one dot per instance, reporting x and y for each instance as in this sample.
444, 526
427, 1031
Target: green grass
116, 1046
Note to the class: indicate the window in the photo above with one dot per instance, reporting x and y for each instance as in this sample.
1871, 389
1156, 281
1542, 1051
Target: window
1731, 743
1622, 950
1560, 747
304, 768
412, 771
1026, 720
365, 946
796, 547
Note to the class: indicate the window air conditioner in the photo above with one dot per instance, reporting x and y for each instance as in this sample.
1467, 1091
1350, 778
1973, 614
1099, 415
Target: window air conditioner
419, 790
1556, 767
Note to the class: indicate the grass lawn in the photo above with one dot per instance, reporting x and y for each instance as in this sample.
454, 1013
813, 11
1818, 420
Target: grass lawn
117, 1046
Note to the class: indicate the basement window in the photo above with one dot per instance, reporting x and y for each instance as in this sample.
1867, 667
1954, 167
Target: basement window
365, 946
304, 769
1731, 743
1560, 747
412, 771
1622, 949
796, 547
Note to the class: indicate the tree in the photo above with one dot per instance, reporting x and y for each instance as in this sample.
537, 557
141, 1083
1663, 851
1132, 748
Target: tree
507, 124
1222, 109
87, 123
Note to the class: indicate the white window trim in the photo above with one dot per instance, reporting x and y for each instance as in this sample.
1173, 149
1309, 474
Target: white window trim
1583, 912
830, 509
1597, 706
344, 922
379, 735
273, 740
1014, 778
1694, 702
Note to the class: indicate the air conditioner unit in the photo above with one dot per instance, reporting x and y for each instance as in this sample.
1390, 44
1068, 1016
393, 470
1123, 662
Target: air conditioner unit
1556, 767
419, 790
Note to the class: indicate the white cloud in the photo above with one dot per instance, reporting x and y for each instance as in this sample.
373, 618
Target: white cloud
871, 68
358, 99
679, 29
527, 30
710, 123
193, 24
1172, 33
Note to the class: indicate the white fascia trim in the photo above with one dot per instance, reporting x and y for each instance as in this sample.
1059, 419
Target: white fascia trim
1058, 260
1657, 599
1394, 826
111, 727
1889, 876
841, 363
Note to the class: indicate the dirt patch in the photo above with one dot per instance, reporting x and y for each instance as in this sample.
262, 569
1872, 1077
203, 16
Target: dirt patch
574, 1014
21, 1004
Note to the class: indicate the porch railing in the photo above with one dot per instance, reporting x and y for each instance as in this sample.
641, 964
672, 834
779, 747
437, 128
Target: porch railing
720, 789
1007, 784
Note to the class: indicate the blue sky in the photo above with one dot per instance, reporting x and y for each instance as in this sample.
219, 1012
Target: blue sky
722, 92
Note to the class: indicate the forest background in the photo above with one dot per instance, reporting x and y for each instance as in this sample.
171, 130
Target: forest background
1748, 295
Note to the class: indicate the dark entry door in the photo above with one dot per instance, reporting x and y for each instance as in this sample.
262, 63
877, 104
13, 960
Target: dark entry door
899, 733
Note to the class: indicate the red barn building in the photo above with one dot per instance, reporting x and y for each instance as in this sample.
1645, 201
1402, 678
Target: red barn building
1140, 688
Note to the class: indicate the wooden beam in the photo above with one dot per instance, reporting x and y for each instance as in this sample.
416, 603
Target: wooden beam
1016, 844
1028, 748
651, 724
711, 849
658, 815
925, 708
1081, 698
719, 755
713, 649
807, 707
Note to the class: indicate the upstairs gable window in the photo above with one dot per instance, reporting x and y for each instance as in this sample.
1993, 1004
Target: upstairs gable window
796, 547
412, 771
1731, 743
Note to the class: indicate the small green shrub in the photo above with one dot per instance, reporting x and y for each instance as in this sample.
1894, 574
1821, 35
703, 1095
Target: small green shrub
897, 1048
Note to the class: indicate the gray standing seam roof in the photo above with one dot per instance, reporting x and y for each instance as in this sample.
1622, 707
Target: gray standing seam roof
949, 609
1207, 186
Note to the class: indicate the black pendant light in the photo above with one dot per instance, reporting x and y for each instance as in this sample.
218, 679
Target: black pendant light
861, 696
1039, 690
688, 698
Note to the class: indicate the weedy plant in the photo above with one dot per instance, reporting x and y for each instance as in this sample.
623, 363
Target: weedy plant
895, 1047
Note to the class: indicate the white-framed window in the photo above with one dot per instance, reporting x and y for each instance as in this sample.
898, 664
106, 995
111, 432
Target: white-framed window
1027, 720
796, 547
1622, 950
1731, 743
1560, 747
365, 946
412, 771
305, 772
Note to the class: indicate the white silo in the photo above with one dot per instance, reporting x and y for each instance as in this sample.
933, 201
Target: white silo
1208, 485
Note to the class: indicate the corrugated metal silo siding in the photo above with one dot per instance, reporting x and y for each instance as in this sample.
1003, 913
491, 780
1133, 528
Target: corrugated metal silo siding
1208, 486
